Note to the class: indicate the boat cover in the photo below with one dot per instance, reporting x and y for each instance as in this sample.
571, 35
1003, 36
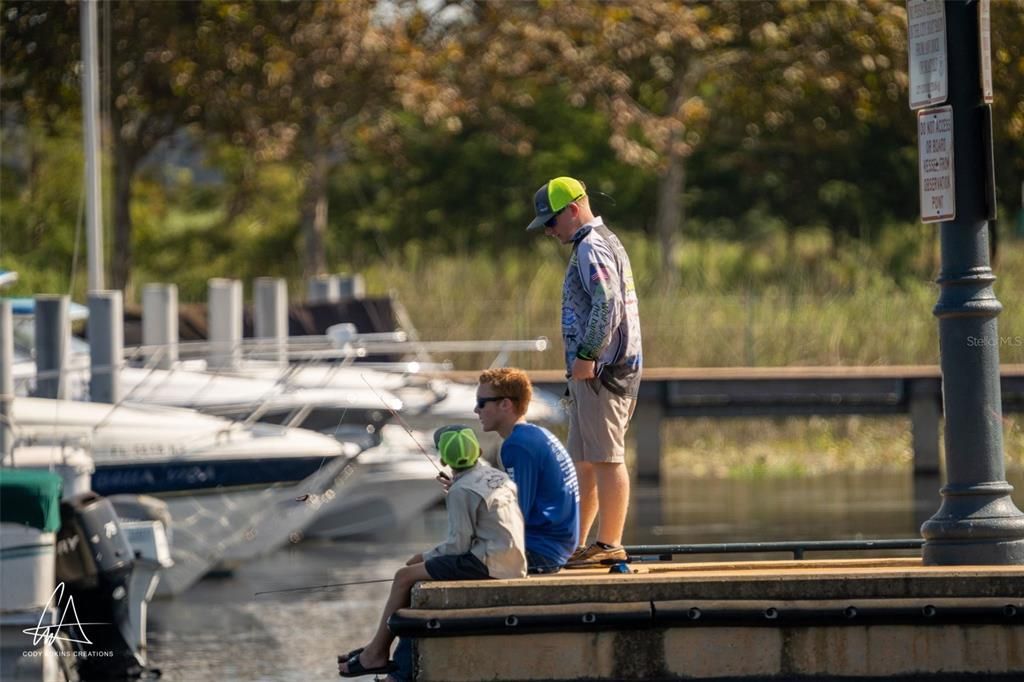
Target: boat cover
30, 498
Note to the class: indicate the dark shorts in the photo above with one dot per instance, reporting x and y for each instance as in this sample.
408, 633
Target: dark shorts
538, 563
456, 567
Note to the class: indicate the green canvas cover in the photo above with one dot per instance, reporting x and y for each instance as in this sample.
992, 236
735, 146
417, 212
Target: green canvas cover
30, 498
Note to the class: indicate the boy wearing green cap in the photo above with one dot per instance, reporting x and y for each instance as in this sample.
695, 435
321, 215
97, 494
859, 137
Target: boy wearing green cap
485, 540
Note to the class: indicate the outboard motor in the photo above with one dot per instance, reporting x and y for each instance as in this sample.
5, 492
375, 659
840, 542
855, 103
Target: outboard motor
147, 523
95, 561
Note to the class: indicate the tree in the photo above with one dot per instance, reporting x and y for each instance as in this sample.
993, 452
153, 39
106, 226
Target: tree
151, 75
299, 82
1007, 25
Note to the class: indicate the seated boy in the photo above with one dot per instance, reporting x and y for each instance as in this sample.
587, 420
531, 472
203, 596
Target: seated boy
485, 540
549, 494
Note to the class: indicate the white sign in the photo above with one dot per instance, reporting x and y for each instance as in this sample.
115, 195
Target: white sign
935, 155
926, 47
985, 45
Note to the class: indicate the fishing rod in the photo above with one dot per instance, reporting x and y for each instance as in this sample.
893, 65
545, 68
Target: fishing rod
615, 569
321, 587
406, 427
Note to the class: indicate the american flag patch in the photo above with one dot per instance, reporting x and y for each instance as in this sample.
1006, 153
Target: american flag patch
598, 273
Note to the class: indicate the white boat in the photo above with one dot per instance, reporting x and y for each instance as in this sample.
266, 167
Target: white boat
224, 483
148, 538
27, 576
396, 484
253, 398
427, 401
347, 401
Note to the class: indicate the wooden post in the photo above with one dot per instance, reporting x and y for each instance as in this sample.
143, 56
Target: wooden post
646, 428
924, 423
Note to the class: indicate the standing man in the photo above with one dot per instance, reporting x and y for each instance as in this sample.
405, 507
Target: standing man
538, 464
603, 360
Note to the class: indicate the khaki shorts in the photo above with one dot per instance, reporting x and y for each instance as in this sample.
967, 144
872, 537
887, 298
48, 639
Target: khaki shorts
598, 420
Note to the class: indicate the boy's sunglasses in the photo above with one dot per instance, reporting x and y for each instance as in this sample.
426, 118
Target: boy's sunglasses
551, 221
554, 218
481, 402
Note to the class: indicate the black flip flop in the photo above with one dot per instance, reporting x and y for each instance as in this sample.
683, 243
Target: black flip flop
356, 669
343, 658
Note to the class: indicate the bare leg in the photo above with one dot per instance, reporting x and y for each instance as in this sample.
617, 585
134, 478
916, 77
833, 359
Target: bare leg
613, 498
378, 651
588, 498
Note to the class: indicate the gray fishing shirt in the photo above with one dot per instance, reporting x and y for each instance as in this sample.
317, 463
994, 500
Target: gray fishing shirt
600, 313
484, 518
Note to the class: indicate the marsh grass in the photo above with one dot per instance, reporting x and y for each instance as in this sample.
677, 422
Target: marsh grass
771, 303
797, 446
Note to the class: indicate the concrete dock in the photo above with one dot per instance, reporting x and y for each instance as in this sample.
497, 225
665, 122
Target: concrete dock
854, 618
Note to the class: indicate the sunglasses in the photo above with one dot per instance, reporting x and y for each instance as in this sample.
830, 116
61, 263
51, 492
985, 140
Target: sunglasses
554, 218
481, 402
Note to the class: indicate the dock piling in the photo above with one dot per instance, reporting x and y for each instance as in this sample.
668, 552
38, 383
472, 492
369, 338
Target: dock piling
160, 322
106, 346
224, 323
270, 315
6, 377
53, 332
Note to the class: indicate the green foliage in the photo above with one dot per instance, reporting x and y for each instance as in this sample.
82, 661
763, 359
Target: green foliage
215, 239
41, 204
464, 193
466, 117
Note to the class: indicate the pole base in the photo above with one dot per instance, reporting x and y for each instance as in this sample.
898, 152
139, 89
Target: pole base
976, 525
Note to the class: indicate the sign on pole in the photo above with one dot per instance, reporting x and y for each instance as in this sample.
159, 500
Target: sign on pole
926, 47
935, 160
985, 45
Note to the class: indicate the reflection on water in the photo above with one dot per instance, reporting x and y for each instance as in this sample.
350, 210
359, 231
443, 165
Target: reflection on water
219, 630
832, 507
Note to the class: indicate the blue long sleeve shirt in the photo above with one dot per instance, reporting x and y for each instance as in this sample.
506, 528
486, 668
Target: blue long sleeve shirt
549, 494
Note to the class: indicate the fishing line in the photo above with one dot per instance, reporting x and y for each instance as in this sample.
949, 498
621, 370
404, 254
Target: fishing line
329, 585
404, 426
321, 587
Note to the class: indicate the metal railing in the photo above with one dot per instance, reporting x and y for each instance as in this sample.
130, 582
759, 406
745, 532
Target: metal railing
795, 547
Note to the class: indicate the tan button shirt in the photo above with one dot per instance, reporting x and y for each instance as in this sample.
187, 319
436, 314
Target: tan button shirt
484, 518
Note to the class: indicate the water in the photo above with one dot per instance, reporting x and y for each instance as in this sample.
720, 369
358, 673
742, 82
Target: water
219, 630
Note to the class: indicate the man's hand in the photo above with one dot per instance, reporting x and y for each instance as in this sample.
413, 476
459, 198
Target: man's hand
582, 369
445, 481
417, 559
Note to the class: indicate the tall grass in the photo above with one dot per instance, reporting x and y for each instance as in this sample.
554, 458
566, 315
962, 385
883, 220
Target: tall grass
802, 446
771, 303
775, 302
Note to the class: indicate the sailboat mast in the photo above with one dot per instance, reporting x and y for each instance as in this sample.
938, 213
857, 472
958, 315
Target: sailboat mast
90, 118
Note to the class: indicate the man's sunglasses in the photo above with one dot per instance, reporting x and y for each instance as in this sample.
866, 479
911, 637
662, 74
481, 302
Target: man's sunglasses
481, 402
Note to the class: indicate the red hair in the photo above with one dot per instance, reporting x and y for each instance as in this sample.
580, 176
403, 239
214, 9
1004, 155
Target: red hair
512, 383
